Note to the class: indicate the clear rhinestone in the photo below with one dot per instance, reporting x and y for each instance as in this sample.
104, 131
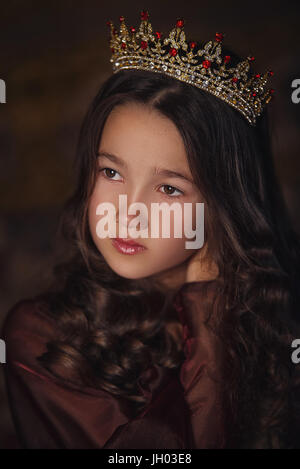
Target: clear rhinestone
188, 65
178, 72
130, 61
157, 56
205, 83
165, 68
193, 78
140, 62
219, 89
151, 65
218, 78
117, 64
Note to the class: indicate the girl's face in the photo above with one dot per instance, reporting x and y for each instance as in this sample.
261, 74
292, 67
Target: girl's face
139, 144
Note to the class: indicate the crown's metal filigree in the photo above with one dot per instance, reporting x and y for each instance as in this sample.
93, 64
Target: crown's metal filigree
205, 67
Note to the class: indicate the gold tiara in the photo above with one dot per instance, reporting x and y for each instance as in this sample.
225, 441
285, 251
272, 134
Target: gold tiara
204, 67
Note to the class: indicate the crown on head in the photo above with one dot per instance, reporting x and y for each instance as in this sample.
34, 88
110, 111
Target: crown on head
204, 67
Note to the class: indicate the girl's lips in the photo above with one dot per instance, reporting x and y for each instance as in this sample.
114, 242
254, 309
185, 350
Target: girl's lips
126, 247
128, 241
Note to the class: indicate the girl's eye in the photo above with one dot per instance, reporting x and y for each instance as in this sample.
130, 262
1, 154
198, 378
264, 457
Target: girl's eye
170, 191
109, 172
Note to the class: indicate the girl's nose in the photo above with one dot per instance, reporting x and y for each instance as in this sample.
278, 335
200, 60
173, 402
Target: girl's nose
124, 219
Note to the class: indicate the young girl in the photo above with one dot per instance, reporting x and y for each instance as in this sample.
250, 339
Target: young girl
164, 346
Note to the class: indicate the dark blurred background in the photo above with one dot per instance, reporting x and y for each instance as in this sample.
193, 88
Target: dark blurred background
54, 56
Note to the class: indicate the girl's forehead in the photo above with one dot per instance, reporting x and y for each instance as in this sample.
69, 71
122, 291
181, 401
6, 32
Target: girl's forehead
136, 130
144, 118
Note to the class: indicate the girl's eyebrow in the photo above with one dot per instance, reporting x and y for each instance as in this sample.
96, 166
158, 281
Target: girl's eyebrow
156, 171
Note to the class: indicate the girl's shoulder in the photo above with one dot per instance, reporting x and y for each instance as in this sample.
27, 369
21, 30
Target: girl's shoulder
29, 316
26, 330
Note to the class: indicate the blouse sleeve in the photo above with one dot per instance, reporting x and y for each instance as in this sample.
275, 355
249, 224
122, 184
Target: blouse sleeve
187, 413
46, 412
200, 374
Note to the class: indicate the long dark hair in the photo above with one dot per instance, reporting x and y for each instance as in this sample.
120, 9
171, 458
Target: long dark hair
111, 329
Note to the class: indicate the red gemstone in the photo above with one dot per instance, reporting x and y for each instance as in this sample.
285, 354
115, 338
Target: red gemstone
180, 23
144, 15
158, 34
234, 79
257, 75
132, 29
193, 44
144, 45
253, 94
227, 59
173, 52
206, 63
121, 19
271, 73
123, 45
219, 37
272, 91
251, 58
112, 49
108, 23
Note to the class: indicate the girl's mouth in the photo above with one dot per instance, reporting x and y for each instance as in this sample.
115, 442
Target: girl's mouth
127, 246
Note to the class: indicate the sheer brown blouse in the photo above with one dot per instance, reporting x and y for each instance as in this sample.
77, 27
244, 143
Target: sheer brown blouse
184, 412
